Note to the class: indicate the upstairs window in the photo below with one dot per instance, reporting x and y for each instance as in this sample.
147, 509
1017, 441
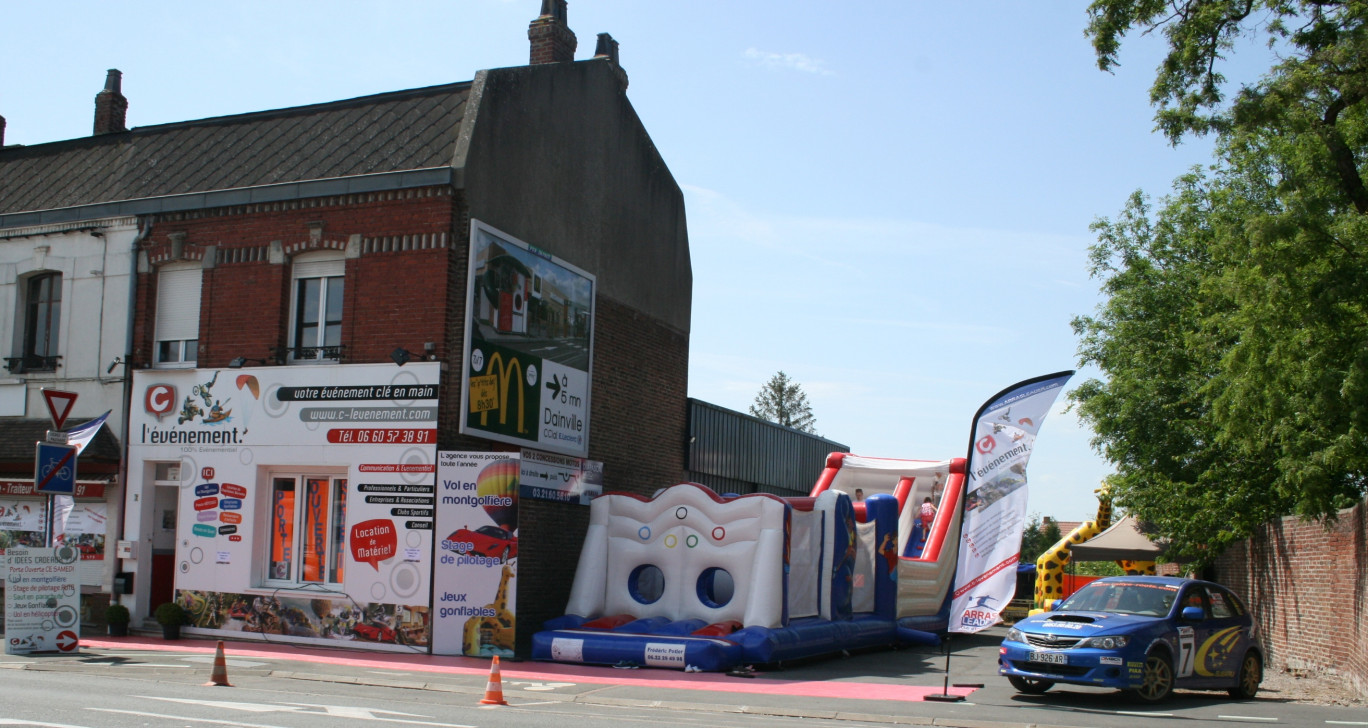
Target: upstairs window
42, 322
178, 308
316, 320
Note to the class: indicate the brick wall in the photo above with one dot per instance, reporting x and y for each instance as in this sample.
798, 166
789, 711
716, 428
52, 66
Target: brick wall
395, 294
637, 429
1308, 585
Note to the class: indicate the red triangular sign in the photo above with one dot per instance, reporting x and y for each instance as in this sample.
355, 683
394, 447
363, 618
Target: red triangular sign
59, 405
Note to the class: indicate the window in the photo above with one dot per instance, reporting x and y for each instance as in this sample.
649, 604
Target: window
316, 322
42, 323
308, 529
178, 307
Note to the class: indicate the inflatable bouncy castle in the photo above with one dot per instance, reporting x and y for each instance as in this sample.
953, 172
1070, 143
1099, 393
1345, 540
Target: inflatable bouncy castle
692, 579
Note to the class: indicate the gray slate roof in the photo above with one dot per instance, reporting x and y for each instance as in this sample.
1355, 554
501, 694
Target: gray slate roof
18, 435
390, 132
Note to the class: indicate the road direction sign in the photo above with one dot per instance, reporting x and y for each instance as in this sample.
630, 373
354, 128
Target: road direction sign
54, 469
59, 404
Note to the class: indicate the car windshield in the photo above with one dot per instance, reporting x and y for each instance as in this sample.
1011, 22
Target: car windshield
1152, 600
493, 531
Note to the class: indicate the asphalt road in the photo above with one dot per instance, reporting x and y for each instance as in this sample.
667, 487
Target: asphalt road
149, 682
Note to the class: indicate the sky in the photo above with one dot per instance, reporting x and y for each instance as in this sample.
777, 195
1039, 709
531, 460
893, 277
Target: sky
888, 200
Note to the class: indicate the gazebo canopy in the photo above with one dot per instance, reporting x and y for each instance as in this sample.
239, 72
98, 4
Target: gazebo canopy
1122, 541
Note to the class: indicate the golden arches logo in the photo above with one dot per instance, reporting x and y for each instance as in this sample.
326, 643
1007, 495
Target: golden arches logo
506, 375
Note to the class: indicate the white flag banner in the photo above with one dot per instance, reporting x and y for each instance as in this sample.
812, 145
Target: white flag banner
81, 436
995, 504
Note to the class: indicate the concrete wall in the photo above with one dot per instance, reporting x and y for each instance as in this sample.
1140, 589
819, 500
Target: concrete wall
1308, 586
555, 155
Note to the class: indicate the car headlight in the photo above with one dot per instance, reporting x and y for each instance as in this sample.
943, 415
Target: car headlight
1015, 635
1105, 643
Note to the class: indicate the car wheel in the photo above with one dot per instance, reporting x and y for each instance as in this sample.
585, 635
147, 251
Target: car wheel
1251, 674
1158, 678
1029, 685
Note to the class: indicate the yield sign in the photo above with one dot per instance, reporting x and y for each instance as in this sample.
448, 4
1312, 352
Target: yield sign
59, 405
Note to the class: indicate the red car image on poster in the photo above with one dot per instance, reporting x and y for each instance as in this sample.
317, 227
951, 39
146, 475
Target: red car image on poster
490, 541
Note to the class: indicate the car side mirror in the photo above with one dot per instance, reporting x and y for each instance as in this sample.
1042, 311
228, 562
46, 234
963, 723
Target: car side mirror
1193, 614
1054, 606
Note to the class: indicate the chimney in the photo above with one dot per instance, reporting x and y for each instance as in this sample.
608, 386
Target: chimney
2, 131
111, 106
607, 48
551, 37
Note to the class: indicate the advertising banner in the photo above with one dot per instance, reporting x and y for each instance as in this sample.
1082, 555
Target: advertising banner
560, 478
1003, 437
529, 345
42, 600
316, 478
475, 576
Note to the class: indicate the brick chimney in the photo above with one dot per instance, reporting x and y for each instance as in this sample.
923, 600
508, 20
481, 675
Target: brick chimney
607, 49
551, 37
110, 105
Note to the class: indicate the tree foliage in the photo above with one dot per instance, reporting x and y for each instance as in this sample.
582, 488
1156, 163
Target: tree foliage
1234, 334
782, 400
1038, 537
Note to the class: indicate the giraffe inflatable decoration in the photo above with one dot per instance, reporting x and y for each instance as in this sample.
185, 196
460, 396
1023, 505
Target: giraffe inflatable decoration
1050, 566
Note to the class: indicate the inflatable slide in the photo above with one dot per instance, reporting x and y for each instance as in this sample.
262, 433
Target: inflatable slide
689, 579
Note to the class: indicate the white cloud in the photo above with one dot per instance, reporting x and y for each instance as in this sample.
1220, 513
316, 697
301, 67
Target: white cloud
792, 61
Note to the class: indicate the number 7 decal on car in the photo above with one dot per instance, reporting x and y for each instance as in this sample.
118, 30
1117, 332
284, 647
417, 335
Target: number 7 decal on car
1186, 643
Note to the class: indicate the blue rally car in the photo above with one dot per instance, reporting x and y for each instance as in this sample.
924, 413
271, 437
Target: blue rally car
1145, 634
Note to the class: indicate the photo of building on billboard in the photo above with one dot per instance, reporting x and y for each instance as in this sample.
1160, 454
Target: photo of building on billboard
529, 345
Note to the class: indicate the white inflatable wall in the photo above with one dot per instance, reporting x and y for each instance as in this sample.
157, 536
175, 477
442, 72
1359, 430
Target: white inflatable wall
684, 531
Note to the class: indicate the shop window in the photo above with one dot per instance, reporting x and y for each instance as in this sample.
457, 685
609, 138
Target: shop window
308, 536
316, 311
42, 310
21, 523
178, 308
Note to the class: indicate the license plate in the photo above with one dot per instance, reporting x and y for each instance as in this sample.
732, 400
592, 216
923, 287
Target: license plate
1054, 658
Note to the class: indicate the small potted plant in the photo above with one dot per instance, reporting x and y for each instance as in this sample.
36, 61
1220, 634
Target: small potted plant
116, 616
171, 616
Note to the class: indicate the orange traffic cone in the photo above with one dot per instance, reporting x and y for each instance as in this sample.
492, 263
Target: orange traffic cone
494, 690
220, 675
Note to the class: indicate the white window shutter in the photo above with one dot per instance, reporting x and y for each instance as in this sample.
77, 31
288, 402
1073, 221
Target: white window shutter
178, 304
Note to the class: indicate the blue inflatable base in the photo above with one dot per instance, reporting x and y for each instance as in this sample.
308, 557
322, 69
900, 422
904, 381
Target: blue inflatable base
659, 642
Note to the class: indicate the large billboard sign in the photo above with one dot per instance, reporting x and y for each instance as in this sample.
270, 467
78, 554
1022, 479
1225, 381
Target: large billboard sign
306, 499
528, 345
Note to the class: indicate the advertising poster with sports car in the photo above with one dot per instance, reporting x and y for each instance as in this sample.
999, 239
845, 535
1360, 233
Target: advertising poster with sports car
528, 345
306, 496
475, 575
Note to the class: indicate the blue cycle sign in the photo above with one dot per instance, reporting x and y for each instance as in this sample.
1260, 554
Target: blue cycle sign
55, 469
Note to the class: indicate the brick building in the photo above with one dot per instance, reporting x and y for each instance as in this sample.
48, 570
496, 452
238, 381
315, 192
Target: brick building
292, 260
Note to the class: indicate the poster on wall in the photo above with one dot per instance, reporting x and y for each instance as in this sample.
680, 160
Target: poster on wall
306, 498
560, 478
529, 345
42, 600
85, 529
475, 575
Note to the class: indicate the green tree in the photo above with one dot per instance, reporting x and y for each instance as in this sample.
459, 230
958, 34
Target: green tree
1236, 314
1318, 87
782, 400
1038, 537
